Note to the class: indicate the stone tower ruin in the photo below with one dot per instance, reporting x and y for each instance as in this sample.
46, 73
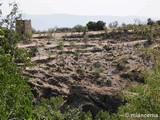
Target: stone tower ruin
23, 27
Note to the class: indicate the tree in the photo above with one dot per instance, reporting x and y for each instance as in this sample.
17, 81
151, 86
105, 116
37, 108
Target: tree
10, 39
34, 30
158, 22
91, 26
124, 25
150, 22
49, 35
95, 26
137, 21
150, 32
110, 25
100, 25
79, 28
15, 93
8, 43
113, 25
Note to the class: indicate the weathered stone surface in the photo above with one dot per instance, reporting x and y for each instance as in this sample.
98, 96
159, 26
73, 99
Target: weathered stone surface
92, 101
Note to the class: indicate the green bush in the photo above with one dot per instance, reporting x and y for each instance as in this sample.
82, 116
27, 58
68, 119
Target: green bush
143, 98
15, 94
49, 109
77, 114
60, 45
103, 115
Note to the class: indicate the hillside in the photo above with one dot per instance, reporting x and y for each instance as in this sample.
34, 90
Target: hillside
86, 74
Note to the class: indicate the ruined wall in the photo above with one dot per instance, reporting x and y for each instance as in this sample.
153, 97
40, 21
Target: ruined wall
23, 27
27, 26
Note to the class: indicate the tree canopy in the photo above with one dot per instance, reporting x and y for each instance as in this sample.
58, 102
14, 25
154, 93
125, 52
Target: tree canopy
95, 26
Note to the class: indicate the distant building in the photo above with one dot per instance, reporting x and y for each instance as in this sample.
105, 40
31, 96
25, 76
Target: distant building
23, 27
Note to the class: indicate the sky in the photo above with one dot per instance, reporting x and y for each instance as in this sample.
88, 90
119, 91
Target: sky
145, 8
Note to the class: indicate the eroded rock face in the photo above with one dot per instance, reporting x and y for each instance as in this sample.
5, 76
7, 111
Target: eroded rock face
80, 96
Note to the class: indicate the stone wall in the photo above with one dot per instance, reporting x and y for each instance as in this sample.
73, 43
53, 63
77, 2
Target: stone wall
23, 27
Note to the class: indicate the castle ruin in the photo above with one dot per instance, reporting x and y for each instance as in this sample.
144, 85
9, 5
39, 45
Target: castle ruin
23, 27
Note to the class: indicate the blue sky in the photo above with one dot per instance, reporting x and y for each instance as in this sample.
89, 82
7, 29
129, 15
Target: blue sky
147, 8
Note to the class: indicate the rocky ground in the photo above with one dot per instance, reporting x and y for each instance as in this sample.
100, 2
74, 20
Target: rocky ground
87, 74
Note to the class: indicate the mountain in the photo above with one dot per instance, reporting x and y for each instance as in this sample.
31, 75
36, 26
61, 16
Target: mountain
43, 22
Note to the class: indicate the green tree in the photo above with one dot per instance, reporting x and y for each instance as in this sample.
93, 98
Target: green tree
95, 26
158, 22
100, 25
15, 93
91, 25
114, 24
49, 109
79, 28
150, 22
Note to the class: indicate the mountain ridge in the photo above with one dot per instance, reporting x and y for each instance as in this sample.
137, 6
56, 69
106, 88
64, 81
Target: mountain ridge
44, 22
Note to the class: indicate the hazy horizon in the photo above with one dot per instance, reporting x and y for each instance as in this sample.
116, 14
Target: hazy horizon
43, 22
92, 15
139, 8
50, 13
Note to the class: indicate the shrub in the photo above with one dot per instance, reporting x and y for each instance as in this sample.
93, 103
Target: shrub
85, 39
103, 115
15, 94
79, 28
97, 71
49, 35
72, 44
150, 54
61, 45
77, 114
143, 98
121, 65
49, 109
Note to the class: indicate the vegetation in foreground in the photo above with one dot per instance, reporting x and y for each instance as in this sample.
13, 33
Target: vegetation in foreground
17, 101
